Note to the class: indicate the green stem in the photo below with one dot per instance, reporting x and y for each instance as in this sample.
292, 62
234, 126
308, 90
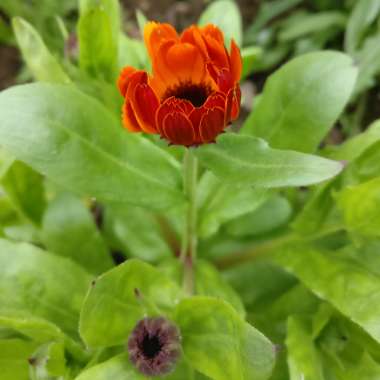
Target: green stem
189, 243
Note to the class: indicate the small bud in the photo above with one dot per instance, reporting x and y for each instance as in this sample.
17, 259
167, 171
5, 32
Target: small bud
154, 346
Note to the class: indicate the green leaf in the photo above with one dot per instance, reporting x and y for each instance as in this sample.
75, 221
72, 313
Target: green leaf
121, 297
137, 231
208, 281
221, 345
364, 14
132, 53
49, 360
63, 134
353, 148
25, 189
219, 202
312, 23
40, 330
268, 11
249, 56
367, 165
270, 281
319, 213
14, 355
231, 26
117, 368
303, 358
297, 107
272, 214
69, 230
98, 35
352, 290
247, 161
360, 205
37, 282
368, 63
39, 60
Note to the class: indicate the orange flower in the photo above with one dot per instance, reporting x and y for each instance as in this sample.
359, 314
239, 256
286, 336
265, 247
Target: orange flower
193, 93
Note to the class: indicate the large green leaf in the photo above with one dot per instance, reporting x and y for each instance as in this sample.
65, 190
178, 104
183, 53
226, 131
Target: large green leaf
351, 289
44, 285
231, 26
249, 161
221, 345
39, 60
219, 202
25, 189
69, 230
72, 139
117, 368
312, 23
137, 232
302, 100
98, 35
360, 205
121, 297
41, 331
272, 214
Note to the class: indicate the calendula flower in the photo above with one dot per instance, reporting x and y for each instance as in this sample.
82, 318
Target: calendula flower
193, 93
154, 346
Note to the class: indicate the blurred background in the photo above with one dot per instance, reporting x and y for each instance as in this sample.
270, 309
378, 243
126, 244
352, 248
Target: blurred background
270, 33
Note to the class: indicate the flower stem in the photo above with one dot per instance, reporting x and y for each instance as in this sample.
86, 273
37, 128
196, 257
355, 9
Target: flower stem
189, 243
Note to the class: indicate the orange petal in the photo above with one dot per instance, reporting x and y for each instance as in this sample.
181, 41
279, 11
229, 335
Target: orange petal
222, 78
236, 63
179, 62
213, 31
155, 34
178, 129
217, 52
129, 119
193, 36
124, 78
145, 105
212, 123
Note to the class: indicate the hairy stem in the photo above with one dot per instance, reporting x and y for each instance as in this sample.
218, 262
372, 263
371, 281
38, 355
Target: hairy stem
189, 243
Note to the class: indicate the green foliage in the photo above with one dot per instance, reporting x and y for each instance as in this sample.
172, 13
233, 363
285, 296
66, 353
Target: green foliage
262, 248
262, 166
231, 26
297, 108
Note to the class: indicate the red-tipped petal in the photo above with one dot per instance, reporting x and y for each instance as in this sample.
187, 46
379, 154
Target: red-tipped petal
171, 105
216, 99
236, 63
129, 118
212, 123
178, 129
145, 105
236, 103
124, 79
195, 118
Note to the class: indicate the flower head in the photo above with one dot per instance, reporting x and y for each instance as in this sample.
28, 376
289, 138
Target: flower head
193, 92
154, 346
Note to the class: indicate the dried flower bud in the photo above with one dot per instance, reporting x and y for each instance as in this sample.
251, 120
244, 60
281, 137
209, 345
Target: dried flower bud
154, 346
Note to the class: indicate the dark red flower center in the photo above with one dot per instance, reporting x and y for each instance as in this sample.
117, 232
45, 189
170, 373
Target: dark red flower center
154, 346
196, 94
151, 346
